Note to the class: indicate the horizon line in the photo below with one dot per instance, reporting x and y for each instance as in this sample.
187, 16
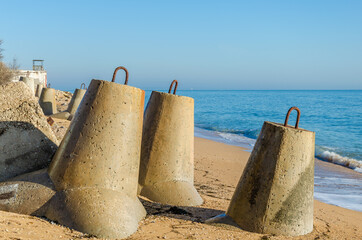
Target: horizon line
258, 90
165, 90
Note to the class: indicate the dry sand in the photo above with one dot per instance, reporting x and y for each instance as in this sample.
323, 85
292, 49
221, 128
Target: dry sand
217, 170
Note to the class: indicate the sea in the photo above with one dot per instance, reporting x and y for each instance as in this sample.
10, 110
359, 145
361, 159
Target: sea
236, 118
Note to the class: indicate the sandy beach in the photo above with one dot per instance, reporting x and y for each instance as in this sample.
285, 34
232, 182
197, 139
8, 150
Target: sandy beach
217, 170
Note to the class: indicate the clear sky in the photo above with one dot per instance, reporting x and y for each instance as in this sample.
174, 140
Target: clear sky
309, 44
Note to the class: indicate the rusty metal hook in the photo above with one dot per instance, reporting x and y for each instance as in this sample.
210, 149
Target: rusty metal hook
287, 117
82, 86
115, 72
173, 82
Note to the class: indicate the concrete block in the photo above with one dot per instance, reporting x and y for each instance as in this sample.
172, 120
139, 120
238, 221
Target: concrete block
95, 169
47, 101
167, 157
39, 89
275, 192
27, 142
75, 101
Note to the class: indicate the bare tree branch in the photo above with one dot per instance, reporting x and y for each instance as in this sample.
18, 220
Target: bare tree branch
1, 50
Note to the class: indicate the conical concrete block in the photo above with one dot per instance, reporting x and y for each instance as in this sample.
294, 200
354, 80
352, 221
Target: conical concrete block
167, 157
47, 101
39, 89
75, 101
95, 169
29, 82
275, 192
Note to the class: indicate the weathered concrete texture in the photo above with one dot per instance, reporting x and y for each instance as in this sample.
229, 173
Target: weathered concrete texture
275, 192
62, 115
47, 101
96, 166
75, 101
29, 82
101, 212
27, 194
27, 142
39, 89
167, 158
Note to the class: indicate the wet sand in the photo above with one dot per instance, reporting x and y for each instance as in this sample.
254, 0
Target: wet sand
218, 168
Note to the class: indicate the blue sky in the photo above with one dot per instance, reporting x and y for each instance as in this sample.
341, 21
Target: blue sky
203, 44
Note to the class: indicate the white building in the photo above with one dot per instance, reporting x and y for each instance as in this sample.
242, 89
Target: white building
38, 73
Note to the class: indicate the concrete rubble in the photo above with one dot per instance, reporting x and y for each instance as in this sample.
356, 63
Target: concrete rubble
27, 142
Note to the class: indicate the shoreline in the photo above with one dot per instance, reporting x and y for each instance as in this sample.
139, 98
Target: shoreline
328, 176
334, 184
248, 143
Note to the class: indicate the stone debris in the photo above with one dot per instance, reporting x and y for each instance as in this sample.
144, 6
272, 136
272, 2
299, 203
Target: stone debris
62, 99
27, 142
60, 127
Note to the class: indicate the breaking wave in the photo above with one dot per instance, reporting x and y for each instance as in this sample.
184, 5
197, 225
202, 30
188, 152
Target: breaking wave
247, 138
333, 157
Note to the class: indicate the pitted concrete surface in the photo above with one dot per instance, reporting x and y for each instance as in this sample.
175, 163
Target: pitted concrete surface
27, 142
47, 101
101, 212
96, 166
167, 159
275, 192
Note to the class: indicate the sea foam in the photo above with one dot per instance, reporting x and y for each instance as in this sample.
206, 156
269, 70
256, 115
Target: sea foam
340, 160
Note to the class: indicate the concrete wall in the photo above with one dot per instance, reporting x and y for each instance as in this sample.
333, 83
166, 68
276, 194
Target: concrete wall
38, 76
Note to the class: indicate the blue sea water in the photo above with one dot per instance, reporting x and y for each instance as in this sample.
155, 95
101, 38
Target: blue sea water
335, 116
236, 117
